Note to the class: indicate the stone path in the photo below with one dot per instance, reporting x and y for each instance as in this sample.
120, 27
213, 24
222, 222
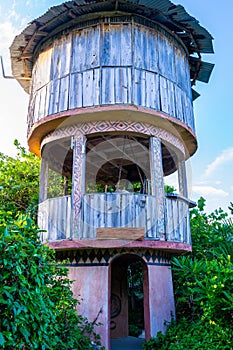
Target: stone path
128, 343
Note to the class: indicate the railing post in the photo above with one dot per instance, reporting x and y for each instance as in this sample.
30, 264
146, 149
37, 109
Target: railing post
78, 182
44, 171
157, 184
182, 178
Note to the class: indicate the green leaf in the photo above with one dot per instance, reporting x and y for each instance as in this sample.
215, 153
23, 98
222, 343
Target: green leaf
18, 269
25, 332
2, 341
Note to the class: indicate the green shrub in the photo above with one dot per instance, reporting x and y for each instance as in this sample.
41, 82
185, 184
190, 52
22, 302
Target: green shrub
194, 336
37, 309
203, 284
134, 330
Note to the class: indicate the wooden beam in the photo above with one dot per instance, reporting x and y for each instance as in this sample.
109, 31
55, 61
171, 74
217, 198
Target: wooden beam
133, 234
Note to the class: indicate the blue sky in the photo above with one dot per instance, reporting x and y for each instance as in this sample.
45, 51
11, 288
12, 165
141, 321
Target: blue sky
211, 168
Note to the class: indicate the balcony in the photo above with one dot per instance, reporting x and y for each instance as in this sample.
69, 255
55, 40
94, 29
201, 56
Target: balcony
115, 210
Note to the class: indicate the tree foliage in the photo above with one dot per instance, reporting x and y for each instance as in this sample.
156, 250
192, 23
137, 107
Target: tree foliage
19, 182
37, 309
203, 284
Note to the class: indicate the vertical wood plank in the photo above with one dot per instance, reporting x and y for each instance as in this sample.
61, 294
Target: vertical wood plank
57, 59
118, 84
138, 45
151, 93
126, 45
108, 86
92, 43
140, 87
66, 53
171, 98
179, 107
87, 88
96, 87
41, 113
44, 168
153, 50
56, 95
182, 179
164, 94
42, 71
47, 97
64, 93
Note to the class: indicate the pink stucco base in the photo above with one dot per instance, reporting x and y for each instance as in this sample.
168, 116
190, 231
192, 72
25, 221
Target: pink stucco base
161, 298
90, 287
93, 286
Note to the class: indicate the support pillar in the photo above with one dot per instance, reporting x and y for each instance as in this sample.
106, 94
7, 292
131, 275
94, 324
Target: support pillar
78, 182
157, 184
44, 172
161, 298
182, 178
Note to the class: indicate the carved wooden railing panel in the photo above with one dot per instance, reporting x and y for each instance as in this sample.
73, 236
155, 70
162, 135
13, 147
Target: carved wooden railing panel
115, 210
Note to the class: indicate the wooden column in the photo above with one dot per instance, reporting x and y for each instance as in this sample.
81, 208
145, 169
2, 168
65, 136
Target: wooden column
44, 172
182, 178
78, 183
157, 184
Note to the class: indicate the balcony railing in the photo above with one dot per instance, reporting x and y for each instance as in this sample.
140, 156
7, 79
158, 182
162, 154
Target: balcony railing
115, 210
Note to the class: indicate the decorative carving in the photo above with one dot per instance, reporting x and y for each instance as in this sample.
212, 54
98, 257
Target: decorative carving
79, 143
115, 305
157, 183
115, 126
103, 256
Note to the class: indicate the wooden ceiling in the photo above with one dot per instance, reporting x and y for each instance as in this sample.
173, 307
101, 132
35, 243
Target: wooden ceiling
109, 158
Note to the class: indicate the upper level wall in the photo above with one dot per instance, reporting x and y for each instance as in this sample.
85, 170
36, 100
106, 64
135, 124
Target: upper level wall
112, 63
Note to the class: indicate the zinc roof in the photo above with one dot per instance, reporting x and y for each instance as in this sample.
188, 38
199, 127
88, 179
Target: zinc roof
174, 17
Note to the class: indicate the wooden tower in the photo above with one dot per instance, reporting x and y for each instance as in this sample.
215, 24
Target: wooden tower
111, 115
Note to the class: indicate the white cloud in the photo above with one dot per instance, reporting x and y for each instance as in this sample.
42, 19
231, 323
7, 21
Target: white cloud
223, 158
7, 34
209, 191
218, 182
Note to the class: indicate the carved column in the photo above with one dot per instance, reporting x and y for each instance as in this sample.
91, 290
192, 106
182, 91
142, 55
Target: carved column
183, 188
44, 172
157, 184
78, 182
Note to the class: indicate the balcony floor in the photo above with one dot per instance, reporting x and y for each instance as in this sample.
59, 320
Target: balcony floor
108, 243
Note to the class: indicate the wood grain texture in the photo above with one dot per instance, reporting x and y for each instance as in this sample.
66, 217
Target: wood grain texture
133, 234
108, 64
127, 213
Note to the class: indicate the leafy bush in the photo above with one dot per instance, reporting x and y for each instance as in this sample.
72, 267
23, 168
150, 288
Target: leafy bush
194, 335
37, 309
203, 284
19, 182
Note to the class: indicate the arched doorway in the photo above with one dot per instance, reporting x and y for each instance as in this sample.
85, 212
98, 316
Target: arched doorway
129, 297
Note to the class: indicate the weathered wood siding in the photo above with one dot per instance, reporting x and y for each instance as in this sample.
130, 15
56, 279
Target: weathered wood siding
177, 220
54, 216
106, 210
119, 210
112, 63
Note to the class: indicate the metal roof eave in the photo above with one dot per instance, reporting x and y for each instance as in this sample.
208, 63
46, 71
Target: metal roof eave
195, 38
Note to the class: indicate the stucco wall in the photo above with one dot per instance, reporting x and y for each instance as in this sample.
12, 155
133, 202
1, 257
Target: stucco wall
91, 289
161, 298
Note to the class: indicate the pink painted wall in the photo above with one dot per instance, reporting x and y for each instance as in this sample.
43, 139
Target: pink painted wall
161, 297
91, 288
